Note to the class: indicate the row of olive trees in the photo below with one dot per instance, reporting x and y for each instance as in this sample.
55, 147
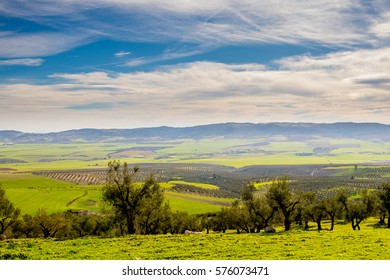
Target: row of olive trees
279, 204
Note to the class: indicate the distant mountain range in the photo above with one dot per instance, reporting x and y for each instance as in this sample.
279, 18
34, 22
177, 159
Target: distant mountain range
293, 131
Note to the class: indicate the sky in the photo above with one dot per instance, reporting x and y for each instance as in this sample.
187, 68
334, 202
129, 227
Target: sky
70, 64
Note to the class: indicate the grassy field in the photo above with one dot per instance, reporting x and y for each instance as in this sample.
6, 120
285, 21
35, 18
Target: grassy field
30, 192
343, 243
194, 204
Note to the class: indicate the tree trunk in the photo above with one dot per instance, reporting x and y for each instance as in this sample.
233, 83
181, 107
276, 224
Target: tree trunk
388, 222
306, 225
319, 225
382, 219
130, 219
287, 224
332, 222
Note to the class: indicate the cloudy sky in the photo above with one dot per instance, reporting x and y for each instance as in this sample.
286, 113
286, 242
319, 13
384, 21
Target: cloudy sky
69, 64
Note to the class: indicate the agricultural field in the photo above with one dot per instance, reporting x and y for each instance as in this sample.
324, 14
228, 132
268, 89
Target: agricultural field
236, 153
371, 243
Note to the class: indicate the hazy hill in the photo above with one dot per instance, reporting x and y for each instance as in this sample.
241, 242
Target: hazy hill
293, 131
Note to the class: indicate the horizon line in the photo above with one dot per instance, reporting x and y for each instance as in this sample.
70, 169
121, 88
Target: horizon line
199, 125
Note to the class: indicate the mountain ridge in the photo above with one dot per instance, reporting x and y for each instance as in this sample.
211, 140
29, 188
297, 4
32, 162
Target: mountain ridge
298, 131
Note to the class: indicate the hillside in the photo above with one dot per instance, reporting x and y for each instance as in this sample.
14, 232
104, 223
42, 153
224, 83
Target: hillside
292, 131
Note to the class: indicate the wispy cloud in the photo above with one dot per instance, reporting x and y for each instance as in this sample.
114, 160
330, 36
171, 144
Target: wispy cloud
22, 61
92, 106
204, 24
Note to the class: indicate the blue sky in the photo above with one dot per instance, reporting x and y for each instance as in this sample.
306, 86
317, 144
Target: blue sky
70, 64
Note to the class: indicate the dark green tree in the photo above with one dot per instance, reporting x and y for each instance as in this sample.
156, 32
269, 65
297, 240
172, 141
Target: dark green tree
359, 209
384, 197
130, 201
304, 208
152, 210
317, 213
25, 227
333, 207
260, 212
52, 225
8, 213
180, 221
222, 221
280, 195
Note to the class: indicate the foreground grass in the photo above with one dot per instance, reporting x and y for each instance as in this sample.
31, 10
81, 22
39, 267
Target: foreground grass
342, 244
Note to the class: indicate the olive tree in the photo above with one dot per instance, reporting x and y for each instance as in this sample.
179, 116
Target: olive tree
131, 201
260, 212
384, 197
53, 224
281, 196
8, 213
333, 208
359, 209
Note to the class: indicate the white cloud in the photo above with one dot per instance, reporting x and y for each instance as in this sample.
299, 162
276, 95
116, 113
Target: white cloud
39, 44
22, 61
381, 26
343, 86
122, 54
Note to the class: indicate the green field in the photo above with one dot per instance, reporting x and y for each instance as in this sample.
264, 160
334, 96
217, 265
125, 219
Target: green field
30, 192
230, 152
341, 244
199, 185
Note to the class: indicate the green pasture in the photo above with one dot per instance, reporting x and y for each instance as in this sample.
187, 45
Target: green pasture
31, 192
370, 243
